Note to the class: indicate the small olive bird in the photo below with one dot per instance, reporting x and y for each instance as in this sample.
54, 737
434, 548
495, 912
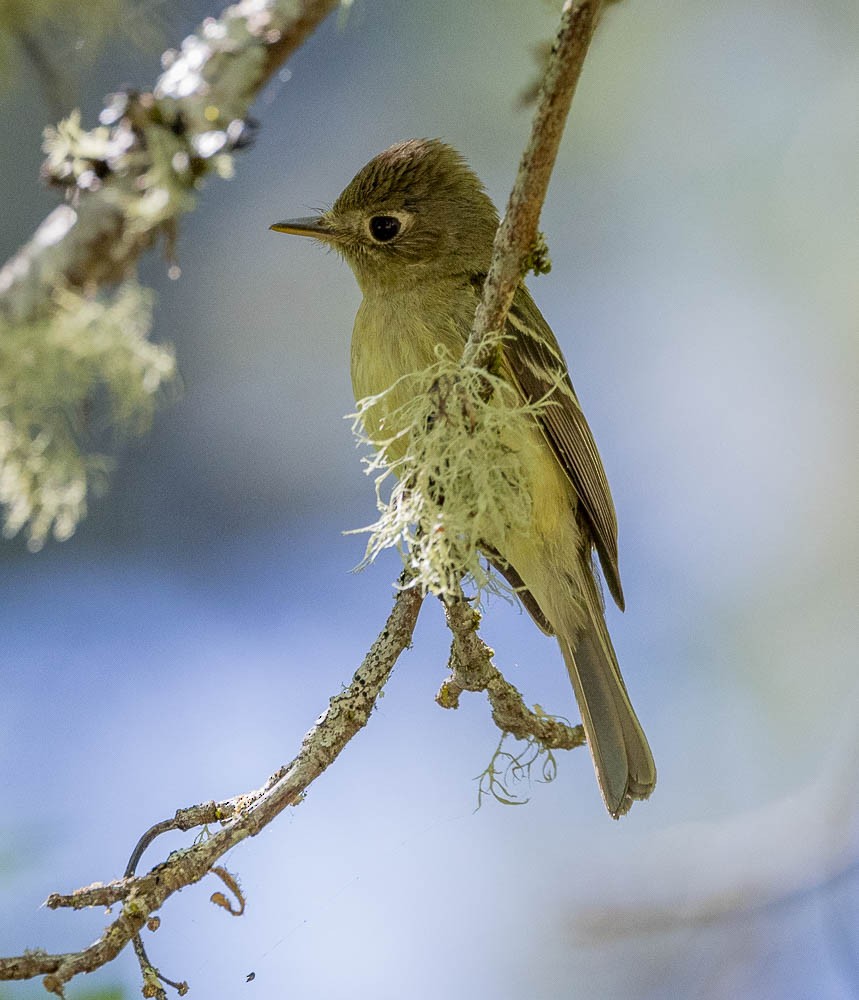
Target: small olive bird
417, 227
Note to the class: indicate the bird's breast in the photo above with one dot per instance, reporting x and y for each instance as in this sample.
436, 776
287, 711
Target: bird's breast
388, 343
396, 335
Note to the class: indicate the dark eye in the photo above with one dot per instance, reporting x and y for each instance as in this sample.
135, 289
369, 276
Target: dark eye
384, 227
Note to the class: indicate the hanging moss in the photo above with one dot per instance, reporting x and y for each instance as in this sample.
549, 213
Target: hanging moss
50, 372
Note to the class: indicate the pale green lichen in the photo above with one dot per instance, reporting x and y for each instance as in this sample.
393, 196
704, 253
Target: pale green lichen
150, 180
450, 476
506, 770
538, 260
51, 372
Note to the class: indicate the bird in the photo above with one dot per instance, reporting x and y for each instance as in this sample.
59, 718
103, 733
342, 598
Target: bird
417, 227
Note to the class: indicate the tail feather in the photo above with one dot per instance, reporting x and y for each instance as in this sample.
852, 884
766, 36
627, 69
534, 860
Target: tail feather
622, 758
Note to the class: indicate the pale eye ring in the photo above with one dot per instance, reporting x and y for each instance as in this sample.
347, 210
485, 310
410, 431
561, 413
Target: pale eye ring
384, 228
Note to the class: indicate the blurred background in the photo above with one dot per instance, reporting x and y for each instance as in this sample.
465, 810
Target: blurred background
703, 228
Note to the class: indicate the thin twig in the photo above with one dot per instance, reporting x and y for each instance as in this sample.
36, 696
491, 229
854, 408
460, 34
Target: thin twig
347, 713
471, 660
518, 231
472, 669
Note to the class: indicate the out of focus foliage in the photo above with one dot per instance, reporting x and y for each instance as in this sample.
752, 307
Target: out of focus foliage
60, 379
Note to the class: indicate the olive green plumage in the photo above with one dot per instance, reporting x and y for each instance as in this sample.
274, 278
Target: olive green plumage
417, 229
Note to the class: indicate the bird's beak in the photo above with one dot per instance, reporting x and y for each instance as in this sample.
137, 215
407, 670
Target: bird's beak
314, 226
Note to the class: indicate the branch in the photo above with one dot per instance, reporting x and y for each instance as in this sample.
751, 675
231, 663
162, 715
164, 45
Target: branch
127, 181
456, 412
243, 816
516, 236
471, 660
472, 669
137, 174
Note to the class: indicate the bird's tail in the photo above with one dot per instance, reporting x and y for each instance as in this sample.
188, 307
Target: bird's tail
622, 758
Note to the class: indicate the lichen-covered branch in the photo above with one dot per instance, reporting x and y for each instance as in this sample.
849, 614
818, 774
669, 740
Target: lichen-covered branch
513, 253
136, 173
458, 470
517, 234
458, 482
472, 669
65, 335
241, 817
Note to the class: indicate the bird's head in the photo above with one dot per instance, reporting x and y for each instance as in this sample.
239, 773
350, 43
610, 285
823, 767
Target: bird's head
415, 212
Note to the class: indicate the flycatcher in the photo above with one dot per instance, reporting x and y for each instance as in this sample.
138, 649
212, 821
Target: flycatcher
417, 227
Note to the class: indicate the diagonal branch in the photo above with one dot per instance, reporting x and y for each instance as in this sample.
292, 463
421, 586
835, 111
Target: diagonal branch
137, 174
471, 664
73, 322
243, 816
515, 239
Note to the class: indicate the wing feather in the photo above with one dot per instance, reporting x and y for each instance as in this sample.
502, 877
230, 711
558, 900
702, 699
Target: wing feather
538, 367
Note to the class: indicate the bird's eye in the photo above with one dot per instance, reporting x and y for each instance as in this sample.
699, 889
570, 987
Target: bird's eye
384, 227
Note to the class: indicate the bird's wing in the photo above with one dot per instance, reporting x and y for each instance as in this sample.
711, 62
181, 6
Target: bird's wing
538, 368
